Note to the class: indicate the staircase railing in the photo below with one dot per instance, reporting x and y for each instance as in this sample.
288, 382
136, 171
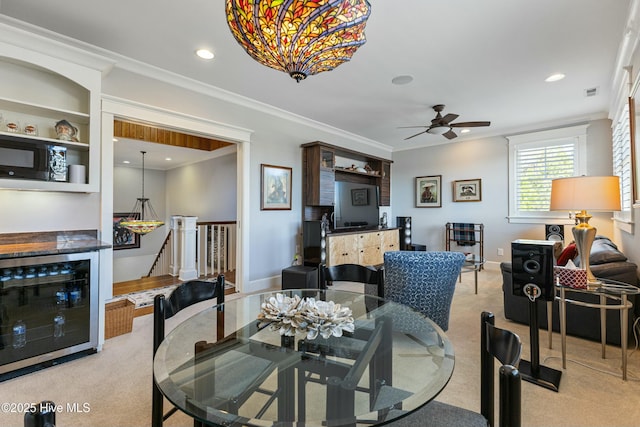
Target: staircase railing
215, 250
161, 265
216, 247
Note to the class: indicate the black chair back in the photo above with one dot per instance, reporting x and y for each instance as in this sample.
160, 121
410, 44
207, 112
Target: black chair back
368, 275
183, 296
505, 346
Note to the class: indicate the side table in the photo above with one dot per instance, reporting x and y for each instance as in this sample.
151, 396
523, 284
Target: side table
609, 290
473, 263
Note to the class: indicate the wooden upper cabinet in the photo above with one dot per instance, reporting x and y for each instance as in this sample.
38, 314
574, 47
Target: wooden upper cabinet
320, 176
321, 172
385, 184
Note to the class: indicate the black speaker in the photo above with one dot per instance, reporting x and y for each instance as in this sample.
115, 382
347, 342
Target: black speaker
532, 263
314, 243
554, 232
404, 224
300, 277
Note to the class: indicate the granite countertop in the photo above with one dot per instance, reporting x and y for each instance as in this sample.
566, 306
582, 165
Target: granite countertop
18, 245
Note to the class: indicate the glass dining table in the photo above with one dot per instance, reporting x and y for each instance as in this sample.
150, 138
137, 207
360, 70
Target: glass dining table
225, 367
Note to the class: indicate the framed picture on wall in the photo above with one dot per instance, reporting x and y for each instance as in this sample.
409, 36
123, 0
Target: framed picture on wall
275, 182
359, 197
469, 190
429, 191
123, 238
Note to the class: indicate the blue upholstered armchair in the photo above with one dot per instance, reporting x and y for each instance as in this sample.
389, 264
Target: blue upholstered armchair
424, 281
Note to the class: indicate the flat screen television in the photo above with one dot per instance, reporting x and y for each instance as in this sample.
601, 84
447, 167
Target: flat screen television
356, 205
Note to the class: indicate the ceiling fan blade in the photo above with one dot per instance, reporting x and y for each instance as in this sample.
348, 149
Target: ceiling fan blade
449, 135
449, 118
469, 124
420, 133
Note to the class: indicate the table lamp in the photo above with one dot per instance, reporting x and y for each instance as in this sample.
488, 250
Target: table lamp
582, 193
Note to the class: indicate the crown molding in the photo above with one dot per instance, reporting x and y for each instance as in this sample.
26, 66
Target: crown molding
31, 37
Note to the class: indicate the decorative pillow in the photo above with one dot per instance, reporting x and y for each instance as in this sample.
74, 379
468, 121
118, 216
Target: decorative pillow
604, 251
570, 252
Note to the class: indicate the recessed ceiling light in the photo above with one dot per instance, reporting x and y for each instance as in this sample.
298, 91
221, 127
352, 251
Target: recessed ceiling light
126, 162
554, 77
204, 53
465, 131
168, 159
402, 80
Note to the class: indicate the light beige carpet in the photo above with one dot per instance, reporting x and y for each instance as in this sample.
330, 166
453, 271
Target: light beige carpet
113, 387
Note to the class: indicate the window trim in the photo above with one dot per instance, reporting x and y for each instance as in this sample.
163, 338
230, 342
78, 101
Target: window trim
623, 220
541, 139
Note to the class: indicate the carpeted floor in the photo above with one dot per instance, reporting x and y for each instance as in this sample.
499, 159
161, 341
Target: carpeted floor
113, 387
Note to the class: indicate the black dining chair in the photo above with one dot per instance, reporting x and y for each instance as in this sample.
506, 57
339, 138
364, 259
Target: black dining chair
495, 343
370, 276
373, 280
183, 296
349, 347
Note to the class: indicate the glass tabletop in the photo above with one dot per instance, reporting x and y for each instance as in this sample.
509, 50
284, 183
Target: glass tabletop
395, 358
604, 287
473, 261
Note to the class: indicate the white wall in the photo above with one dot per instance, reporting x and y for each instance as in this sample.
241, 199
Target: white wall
205, 189
29, 211
486, 159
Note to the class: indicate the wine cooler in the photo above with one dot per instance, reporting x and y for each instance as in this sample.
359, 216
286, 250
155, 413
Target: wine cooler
48, 310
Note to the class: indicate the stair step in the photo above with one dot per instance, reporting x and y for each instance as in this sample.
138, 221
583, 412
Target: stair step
144, 284
142, 291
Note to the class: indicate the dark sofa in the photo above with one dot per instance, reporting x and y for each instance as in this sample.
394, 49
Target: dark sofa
606, 262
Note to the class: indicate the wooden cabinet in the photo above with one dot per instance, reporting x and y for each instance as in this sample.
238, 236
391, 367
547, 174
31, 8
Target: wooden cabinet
385, 184
320, 172
342, 249
320, 176
369, 245
390, 241
364, 248
43, 93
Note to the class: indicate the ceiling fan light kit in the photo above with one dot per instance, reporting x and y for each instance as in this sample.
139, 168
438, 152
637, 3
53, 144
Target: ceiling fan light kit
439, 130
442, 125
299, 37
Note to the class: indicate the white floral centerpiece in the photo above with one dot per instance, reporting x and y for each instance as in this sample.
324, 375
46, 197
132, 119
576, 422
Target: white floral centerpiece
294, 315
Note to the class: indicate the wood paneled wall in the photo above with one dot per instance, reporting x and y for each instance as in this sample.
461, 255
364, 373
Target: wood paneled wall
147, 133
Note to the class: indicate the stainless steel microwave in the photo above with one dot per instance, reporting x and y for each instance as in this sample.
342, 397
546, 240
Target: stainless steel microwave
24, 158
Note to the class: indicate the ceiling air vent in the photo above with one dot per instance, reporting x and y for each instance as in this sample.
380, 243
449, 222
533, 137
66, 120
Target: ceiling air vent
591, 92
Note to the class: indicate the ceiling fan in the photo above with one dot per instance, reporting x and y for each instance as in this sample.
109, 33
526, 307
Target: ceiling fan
443, 126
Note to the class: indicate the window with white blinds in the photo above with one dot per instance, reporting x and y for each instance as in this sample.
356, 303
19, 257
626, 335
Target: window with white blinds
535, 160
535, 168
622, 163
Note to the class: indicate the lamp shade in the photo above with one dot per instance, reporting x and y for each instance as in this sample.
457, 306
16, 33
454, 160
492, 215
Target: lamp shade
589, 193
300, 37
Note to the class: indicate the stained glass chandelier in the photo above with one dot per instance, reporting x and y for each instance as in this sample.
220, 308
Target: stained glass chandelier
299, 37
143, 218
